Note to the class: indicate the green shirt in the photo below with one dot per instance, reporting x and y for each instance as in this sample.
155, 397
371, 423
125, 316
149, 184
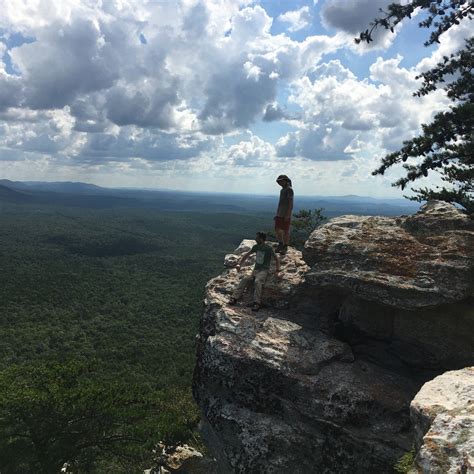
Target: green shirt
264, 256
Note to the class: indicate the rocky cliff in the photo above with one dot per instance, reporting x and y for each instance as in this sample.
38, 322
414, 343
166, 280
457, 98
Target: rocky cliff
321, 379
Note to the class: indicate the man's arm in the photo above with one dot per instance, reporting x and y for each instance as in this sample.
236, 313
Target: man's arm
243, 259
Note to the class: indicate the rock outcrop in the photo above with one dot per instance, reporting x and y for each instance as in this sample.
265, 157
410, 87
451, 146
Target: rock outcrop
443, 420
321, 379
408, 262
183, 459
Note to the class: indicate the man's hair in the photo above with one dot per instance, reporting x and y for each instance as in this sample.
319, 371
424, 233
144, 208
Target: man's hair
262, 235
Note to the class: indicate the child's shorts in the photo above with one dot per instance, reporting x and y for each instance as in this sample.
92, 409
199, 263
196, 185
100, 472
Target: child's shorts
282, 223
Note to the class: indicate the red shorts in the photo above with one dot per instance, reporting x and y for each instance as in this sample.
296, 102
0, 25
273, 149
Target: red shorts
282, 223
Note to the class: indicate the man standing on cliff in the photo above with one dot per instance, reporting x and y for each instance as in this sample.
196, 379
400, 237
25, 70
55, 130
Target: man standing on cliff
264, 254
283, 214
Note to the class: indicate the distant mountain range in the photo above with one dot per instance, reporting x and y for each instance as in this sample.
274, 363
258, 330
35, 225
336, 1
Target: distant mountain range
9, 194
77, 194
54, 186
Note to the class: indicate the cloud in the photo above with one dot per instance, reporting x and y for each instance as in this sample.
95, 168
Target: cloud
297, 19
135, 85
10, 90
144, 103
45, 132
273, 112
212, 65
250, 153
132, 142
317, 144
354, 16
63, 62
90, 113
450, 42
10, 86
341, 115
236, 96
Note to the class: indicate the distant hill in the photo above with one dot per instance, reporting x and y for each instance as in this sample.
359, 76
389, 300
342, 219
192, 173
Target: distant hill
84, 195
11, 195
66, 194
56, 186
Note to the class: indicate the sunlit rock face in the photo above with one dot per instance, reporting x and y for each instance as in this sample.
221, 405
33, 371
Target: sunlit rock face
443, 420
405, 281
407, 262
321, 378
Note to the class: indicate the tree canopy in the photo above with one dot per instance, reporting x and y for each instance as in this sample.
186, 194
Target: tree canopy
57, 413
304, 222
446, 145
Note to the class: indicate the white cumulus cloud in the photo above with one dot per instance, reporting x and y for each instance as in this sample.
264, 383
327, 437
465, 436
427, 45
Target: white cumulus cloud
297, 19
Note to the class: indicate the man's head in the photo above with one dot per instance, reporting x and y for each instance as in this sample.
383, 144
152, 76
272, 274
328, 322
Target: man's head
261, 237
283, 181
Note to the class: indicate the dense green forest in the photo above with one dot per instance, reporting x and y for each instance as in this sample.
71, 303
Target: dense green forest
99, 312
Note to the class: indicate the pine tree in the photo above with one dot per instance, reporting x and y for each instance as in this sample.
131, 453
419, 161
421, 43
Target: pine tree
446, 145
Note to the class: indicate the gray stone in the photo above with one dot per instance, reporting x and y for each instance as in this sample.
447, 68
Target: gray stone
406, 262
443, 419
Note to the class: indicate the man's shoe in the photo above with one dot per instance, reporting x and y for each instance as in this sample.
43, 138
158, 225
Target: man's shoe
232, 302
279, 247
283, 250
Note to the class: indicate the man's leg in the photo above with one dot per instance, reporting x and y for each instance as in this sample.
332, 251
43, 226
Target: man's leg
239, 291
260, 278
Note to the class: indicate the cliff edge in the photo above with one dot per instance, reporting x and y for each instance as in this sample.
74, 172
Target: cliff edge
321, 379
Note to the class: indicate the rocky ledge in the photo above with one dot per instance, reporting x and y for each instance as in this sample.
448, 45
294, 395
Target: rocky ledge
321, 379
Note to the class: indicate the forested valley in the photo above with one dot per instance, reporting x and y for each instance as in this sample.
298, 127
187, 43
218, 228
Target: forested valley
99, 311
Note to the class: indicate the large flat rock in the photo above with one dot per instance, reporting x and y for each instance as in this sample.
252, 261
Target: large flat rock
408, 262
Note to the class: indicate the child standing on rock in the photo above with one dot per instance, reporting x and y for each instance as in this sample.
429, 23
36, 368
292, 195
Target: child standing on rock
264, 254
283, 214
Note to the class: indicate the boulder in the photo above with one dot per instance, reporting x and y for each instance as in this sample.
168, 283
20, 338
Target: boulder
406, 262
183, 459
405, 285
443, 420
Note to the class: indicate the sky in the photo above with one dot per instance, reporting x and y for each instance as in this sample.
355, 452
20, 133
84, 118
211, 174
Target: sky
215, 95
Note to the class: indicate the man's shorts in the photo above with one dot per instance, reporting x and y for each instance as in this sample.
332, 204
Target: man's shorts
282, 223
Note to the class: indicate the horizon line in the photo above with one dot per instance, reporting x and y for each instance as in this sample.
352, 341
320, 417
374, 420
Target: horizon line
402, 198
